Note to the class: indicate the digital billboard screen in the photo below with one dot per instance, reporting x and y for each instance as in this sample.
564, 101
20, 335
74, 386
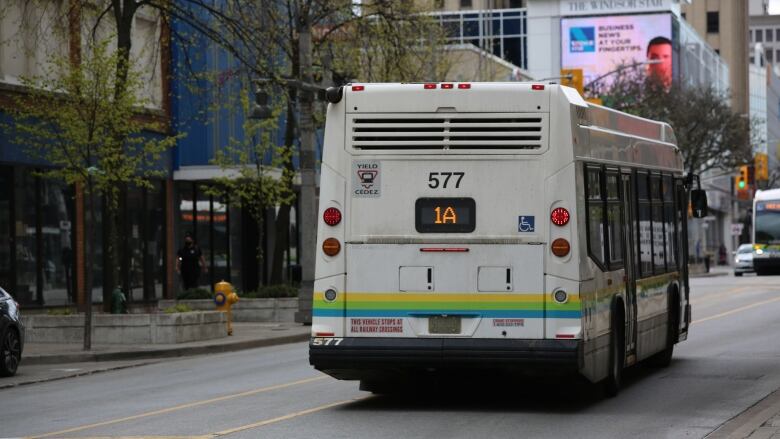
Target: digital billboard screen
600, 45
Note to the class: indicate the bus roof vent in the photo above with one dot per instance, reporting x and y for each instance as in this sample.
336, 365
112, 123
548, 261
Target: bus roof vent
432, 131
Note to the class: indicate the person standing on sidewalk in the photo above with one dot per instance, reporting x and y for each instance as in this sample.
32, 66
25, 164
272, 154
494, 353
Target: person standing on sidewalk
190, 263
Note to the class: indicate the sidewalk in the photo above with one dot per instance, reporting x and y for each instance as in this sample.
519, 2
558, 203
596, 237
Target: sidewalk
762, 421
715, 270
42, 362
245, 336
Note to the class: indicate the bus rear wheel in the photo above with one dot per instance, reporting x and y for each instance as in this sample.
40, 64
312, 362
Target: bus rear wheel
617, 356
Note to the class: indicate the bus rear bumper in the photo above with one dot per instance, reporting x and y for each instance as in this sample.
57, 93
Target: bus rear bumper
355, 358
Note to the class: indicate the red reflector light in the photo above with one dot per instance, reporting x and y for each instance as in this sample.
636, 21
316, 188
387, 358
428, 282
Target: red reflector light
560, 247
559, 216
464, 86
429, 86
443, 249
446, 86
324, 334
564, 336
358, 88
537, 87
331, 216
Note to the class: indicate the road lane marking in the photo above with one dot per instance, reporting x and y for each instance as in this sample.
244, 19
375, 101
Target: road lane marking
712, 297
180, 407
736, 310
288, 416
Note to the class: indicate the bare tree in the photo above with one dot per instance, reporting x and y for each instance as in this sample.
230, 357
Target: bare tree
710, 134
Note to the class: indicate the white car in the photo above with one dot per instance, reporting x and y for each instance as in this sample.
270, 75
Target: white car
743, 259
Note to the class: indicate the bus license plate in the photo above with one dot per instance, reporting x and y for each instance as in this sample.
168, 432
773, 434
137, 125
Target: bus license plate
444, 325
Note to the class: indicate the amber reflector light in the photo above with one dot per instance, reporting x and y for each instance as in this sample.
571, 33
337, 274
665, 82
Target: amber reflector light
560, 247
331, 246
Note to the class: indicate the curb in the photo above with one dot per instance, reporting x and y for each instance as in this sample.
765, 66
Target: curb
83, 357
747, 422
73, 375
718, 274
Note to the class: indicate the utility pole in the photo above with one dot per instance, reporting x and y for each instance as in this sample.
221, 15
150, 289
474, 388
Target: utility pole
307, 205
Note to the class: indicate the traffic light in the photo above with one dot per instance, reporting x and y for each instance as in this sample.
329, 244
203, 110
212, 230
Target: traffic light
762, 166
572, 78
260, 110
741, 185
742, 178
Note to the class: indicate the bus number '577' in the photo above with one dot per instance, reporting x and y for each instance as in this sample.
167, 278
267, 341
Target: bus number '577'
434, 179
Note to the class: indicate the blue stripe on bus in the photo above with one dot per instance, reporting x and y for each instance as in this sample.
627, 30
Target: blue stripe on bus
487, 314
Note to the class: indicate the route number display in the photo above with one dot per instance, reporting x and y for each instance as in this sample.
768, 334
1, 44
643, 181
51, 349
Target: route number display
445, 215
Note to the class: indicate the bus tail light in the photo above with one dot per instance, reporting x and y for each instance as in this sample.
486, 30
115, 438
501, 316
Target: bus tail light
331, 246
429, 86
537, 87
358, 88
560, 247
446, 86
559, 216
464, 86
331, 216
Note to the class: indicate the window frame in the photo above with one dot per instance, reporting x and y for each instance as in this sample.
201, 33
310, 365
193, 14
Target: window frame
589, 167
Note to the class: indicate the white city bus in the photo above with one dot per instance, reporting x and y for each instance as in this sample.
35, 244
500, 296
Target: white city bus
766, 231
511, 226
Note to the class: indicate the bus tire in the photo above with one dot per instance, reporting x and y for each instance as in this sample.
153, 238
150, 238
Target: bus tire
664, 358
617, 352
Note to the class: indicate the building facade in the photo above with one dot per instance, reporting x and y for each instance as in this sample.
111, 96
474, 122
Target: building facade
724, 26
42, 227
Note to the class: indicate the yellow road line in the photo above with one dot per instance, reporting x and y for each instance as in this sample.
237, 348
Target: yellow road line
736, 310
286, 417
180, 407
149, 437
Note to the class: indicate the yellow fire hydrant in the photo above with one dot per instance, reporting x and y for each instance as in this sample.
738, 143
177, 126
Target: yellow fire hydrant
224, 298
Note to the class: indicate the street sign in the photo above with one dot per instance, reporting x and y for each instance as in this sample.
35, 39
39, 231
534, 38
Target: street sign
736, 229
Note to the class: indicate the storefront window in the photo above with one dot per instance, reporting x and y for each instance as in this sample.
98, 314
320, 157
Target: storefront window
236, 246
155, 247
220, 245
133, 254
57, 233
6, 261
24, 232
203, 233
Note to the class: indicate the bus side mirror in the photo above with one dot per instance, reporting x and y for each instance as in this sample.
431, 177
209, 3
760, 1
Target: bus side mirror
699, 203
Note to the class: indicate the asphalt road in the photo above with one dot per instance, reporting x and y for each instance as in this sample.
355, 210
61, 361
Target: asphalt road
730, 362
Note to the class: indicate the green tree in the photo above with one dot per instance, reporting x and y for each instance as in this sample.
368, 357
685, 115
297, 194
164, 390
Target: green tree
74, 117
710, 134
249, 181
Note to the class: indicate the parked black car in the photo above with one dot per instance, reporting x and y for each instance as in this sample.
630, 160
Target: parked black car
11, 334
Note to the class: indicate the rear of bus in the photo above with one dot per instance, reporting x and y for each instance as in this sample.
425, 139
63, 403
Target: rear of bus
447, 234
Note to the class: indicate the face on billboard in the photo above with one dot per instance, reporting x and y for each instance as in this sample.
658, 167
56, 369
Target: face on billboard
599, 45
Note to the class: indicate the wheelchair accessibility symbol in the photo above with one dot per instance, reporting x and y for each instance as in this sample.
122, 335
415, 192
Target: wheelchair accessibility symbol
525, 224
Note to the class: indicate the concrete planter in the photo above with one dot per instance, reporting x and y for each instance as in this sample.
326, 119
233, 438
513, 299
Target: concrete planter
280, 309
127, 328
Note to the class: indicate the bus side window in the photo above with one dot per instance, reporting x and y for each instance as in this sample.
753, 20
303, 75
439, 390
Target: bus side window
643, 225
614, 223
657, 216
669, 223
594, 206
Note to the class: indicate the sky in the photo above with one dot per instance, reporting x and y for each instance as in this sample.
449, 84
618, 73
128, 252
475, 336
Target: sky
774, 6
